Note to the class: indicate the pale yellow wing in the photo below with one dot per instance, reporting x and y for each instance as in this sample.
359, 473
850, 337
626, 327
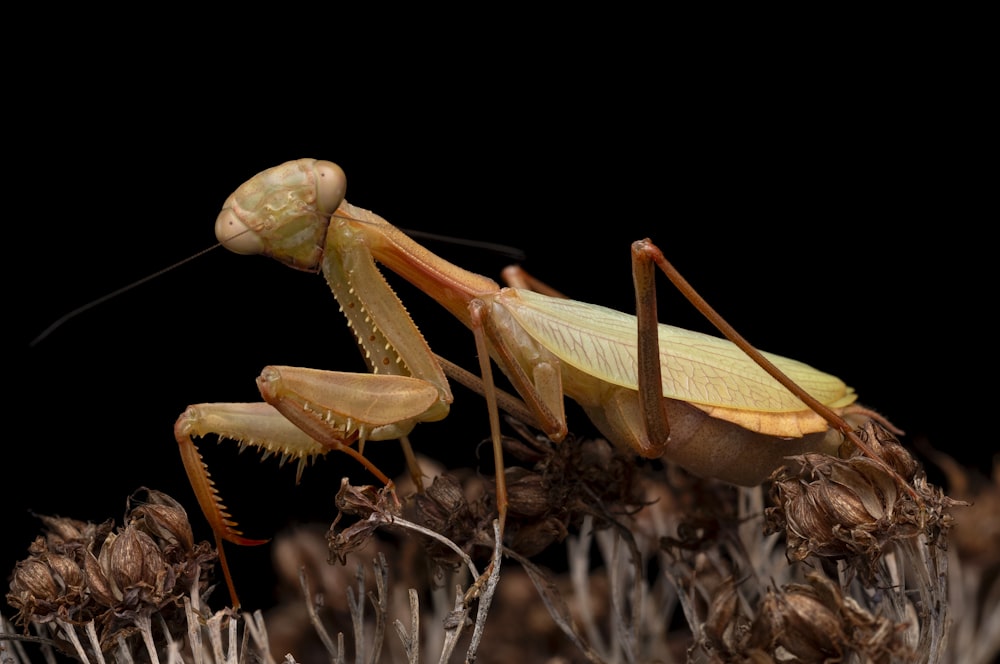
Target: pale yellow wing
697, 368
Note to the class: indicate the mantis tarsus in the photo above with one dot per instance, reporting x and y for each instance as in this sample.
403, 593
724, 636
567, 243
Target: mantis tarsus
718, 408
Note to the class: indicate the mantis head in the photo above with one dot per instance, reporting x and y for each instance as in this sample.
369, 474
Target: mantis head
283, 212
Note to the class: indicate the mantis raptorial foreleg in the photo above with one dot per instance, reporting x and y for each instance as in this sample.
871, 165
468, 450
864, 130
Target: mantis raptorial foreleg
291, 424
717, 407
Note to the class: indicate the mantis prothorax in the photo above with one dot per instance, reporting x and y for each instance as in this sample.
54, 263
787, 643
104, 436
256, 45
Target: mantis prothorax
718, 408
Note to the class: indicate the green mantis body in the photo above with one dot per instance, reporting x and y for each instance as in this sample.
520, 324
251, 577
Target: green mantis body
695, 399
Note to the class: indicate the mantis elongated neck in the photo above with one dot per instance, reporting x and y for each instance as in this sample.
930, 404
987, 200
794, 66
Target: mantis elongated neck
451, 286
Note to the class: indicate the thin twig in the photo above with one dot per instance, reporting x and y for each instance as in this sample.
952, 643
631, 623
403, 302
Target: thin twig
232, 649
623, 626
454, 625
124, 651
398, 521
380, 602
317, 624
215, 637
411, 638
578, 554
174, 655
257, 629
11, 641
194, 631
95, 642
70, 632
357, 608
486, 596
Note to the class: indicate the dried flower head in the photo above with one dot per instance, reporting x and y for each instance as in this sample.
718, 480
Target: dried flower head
817, 623
45, 586
83, 573
68, 536
374, 508
452, 510
134, 569
851, 508
163, 517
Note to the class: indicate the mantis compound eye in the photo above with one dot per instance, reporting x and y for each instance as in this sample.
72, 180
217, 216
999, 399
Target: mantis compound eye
235, 236
331, 185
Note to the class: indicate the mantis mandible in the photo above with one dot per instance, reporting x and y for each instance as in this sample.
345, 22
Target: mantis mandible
716, 407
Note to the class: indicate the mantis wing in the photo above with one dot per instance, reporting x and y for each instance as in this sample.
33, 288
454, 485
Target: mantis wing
697, 368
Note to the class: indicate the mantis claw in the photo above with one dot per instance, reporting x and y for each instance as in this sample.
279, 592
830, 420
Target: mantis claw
209, 500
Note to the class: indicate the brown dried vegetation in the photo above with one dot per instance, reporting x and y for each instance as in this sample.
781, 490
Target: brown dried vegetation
831, 561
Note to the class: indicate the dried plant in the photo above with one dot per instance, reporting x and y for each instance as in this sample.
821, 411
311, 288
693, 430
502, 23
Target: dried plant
831, 561
135, 593
835, 563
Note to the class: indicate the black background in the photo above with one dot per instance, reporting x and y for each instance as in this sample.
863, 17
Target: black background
828, 211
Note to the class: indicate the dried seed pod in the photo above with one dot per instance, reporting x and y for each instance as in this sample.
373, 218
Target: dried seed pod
98, 584
163, 518
816, 622
844, 508
722, 621
458, 511
371, 505
531, 538
61, 530
32, 587
46, 585
135, 559
352, 538
887, 447
527, 493
132, 570
800, 624
364, 500
65, 571
443, 505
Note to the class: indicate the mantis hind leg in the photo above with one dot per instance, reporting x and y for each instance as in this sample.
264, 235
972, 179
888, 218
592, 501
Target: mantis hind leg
644, 255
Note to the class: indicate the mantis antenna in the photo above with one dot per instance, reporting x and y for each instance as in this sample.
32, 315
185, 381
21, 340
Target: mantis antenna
115, 293
512, 253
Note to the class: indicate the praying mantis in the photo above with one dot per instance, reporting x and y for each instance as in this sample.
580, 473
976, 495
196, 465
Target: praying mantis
717, 407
